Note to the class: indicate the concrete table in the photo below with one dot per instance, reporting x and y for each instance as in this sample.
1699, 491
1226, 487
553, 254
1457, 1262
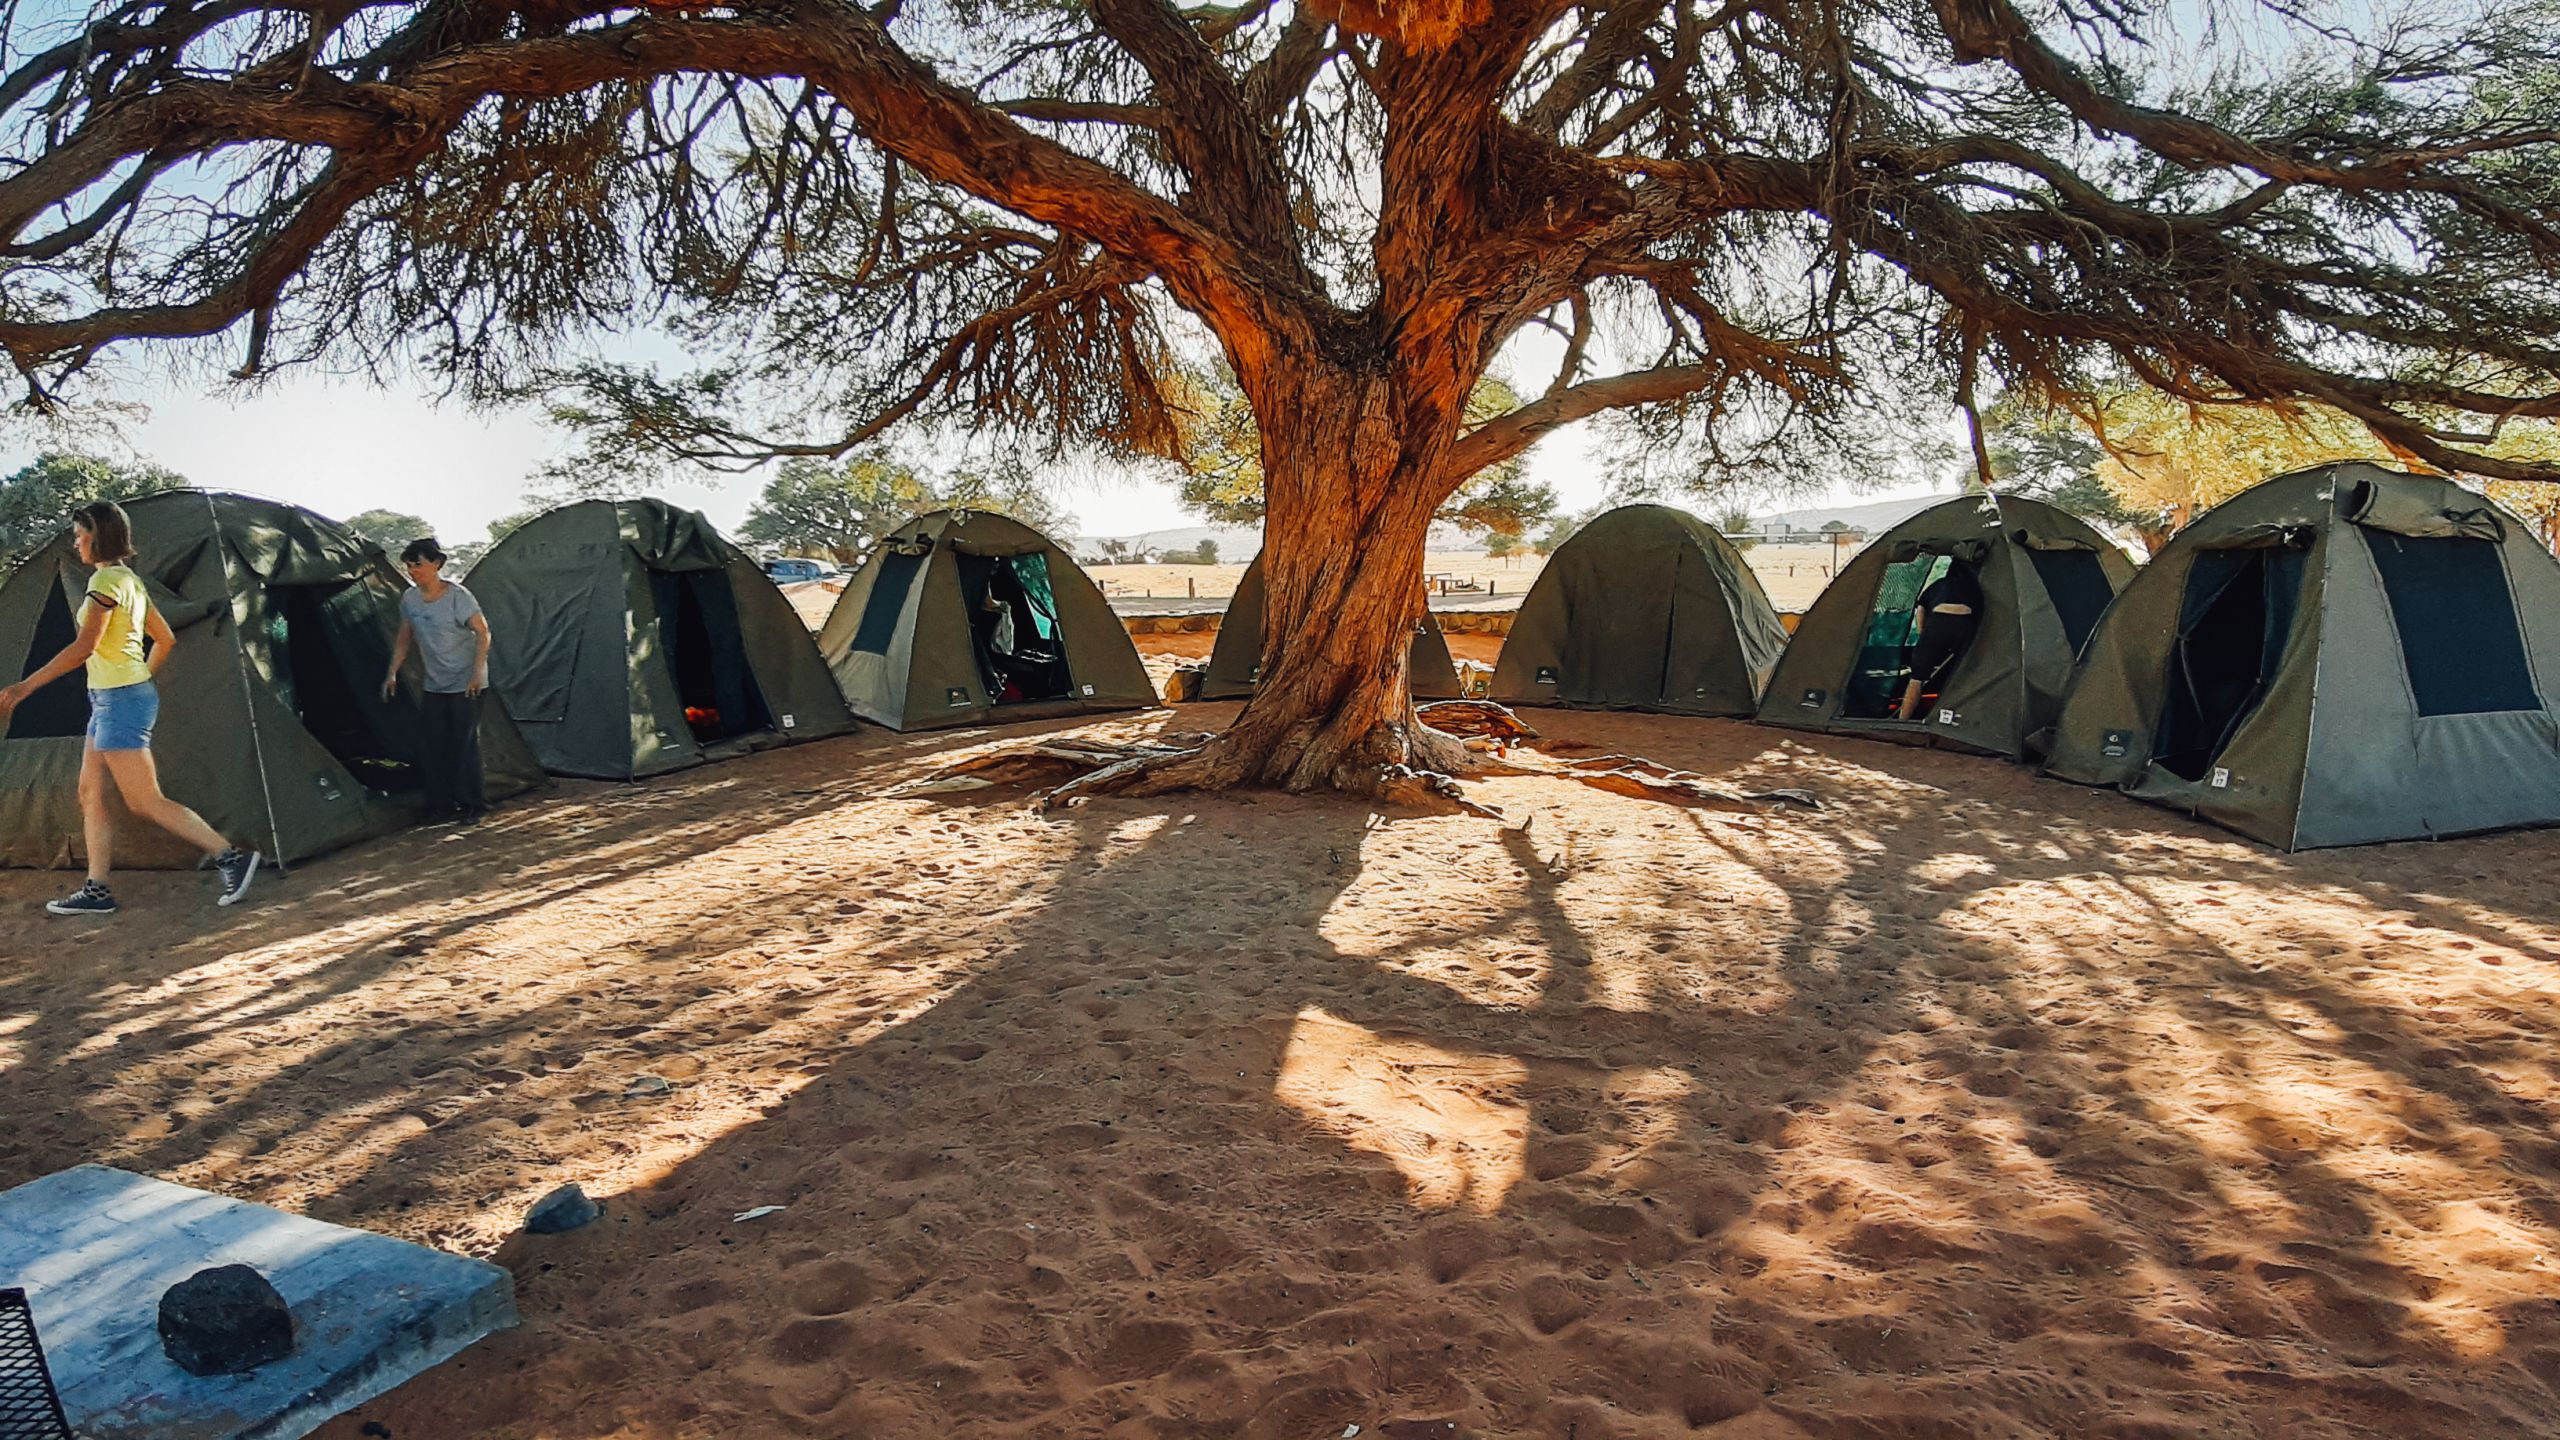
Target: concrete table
95, 1248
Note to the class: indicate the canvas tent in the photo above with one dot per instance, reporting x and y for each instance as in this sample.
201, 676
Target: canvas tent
633, 640
1235, 660
961, 617
1645, 608
2337, 656
2046, 577
272, 723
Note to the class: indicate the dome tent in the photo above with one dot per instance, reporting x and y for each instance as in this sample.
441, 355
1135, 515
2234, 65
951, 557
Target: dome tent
2337, 656
962, 617
2045, 576
1235, 660
273, 725
1645, 608
634, 639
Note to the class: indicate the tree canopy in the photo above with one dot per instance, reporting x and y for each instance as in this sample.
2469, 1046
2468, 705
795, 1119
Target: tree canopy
1755, 230
390, 529
37, 499
840, 509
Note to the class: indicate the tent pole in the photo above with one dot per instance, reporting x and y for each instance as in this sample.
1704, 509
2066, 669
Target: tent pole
248, 696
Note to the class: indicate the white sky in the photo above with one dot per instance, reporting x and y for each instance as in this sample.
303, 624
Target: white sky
340, 446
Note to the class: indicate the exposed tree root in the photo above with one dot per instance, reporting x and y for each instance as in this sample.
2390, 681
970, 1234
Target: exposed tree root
1488, 739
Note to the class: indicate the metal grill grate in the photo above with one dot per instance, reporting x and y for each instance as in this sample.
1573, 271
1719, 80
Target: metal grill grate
29, 1410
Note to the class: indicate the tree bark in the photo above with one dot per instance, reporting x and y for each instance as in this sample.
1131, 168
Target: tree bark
1349, 506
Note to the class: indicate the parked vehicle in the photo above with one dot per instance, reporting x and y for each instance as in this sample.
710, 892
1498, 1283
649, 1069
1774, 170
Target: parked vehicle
789, 570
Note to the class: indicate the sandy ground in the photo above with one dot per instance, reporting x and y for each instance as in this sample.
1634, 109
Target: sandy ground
1974, 1105
1792, 574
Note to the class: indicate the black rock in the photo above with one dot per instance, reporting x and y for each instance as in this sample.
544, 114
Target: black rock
225, 1321
562, 1210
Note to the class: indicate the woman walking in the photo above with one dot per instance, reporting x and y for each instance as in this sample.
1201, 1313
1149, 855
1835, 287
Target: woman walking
114, 620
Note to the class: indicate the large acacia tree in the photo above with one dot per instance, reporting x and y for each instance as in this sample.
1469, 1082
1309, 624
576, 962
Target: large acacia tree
1735, 217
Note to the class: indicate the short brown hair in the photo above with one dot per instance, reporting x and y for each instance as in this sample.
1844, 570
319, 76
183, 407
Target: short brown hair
110, 533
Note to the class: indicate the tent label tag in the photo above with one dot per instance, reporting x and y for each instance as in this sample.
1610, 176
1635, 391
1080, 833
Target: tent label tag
1948, 717
956, 697
1812, 700
1546, 674
790, 722
1088, 690
2221, 778
2119, 743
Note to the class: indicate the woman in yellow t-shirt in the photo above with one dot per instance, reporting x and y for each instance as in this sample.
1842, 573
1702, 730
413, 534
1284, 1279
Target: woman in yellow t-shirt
124, 703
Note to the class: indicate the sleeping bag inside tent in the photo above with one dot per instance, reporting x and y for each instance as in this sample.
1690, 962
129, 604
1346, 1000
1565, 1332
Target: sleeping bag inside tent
1645, 608
2036, 580
1235, 659
2337, 656
631, 638
961, 617
272, 721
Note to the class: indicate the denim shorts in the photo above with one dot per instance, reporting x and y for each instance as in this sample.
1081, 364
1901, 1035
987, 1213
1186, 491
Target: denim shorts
121, 719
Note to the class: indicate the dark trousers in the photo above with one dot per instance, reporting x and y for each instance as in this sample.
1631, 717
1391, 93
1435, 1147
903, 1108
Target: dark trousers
449, 755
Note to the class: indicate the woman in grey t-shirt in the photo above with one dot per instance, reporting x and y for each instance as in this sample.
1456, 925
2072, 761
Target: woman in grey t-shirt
444, 622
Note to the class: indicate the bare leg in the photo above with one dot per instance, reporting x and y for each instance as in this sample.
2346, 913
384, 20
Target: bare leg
97, 824
1910, 700
138, 780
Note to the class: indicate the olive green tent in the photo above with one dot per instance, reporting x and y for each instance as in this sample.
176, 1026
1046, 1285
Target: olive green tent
1645, 608
1235, 660
961, 617
2336, 656
2046, 578
632, 639
272, 721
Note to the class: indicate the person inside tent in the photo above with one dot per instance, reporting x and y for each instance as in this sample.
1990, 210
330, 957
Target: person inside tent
445, 622
124, 703
1947, 613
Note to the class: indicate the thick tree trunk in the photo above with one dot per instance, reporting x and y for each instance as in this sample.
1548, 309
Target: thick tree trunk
1350, 502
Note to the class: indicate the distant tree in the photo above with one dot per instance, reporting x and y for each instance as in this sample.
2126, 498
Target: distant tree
1115, 552
1835, 527
37, 500
1558, 531
1502, 547
1208, 552
812, 507
1735, 525
1222, 460
841, 508
390, 529
460, 558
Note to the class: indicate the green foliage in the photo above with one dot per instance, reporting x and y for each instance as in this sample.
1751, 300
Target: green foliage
391, 529
1735, 525
36, 502
839, 509
1558, 531
1501, 546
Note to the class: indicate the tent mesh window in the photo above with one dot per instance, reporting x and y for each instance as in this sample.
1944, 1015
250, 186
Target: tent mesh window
327, 646
2232, 626
29, 1408
888, 601
61, 708
706, 652
2077, 585
2457, 622
1874, 690
1013, 625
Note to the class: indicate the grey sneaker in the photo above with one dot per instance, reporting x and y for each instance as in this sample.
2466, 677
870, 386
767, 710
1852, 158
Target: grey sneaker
237, 867
92, 898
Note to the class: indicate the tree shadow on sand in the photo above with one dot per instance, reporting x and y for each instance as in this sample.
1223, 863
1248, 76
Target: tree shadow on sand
1235, 1116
